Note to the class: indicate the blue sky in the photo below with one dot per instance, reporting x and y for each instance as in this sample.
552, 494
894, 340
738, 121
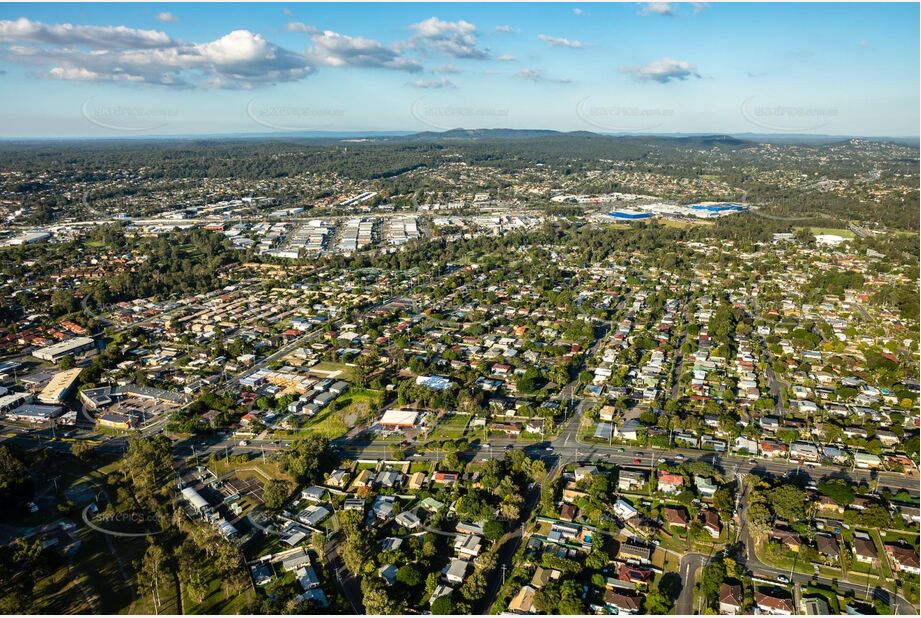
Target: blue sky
174, 69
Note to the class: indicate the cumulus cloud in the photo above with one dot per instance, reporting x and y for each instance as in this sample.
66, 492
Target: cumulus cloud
658, 8
536, 75
432, 83
454, 38
663, 71
558, 41
95, 37
239, 59
341, 50
166, 16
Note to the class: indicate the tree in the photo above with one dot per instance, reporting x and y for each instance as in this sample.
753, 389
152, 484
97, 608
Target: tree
409, 575
571, 598
838, 490
274, 493
714, 573
306, 458
722, 501
83, 450
788, 502
493, 530
443, 606
657, 604
151, 570
376, 598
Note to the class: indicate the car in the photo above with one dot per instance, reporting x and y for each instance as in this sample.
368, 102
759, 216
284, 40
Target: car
244, 443
620, 450
753, 462
639, 453
679, 457
549, 448
509, 447
637, 462
485, 446
417, 454
783, 579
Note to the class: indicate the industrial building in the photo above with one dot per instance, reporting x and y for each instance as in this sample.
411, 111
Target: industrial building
60, 386
195, 500
399, 419
34, 413
54, 353
629, 214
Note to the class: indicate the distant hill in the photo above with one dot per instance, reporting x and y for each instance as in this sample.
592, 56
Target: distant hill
690, 140
506, 134
495, 134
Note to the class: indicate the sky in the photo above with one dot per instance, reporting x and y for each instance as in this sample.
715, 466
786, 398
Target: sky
142, 70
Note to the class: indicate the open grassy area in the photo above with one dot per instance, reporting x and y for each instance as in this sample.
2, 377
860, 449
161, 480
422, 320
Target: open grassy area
216, 601
351, 409
450, 427
338, 371
842, 232
255, 468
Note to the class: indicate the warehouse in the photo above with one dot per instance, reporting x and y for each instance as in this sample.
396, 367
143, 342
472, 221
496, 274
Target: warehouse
33, 413
627, 214
14, 400
60, 386
399, 419
56, 352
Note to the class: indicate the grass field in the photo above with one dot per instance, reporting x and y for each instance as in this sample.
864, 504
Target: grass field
338, 371
255, 468
450, 427
842, 232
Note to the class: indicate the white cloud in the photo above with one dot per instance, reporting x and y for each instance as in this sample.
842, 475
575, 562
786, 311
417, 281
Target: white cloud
296, 26
505, 58
557, 41
95, 37
536, 75
663, 71
166, 16
341, 50
658, 8
239, 59
578, 11
504, 29
457, 39
700, 7
446, 69
432, 83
